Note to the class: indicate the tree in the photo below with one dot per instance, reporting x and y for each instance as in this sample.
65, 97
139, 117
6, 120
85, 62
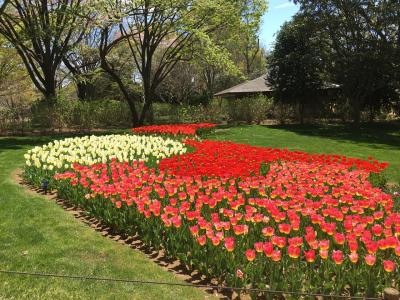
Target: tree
365, 41
159, 35
242, 42
295, 66
83, 62
42, 31
249, 43
16, 89
3, 5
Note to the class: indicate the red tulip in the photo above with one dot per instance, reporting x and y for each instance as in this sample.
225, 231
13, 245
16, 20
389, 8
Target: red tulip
268, 248
293, 251
259, 246
339, 238
229, 244
310, 256
268, 231
250, 254
389, 266
284, 228
397, 250
324, 244
337, 257
276, 255
370, 259
202, 240
215, 240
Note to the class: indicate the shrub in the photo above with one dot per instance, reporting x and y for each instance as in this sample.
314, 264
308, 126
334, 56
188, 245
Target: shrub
79, 115
249, 110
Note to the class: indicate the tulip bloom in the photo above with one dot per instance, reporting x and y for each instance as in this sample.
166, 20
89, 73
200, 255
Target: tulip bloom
370, 259
268, 231
309, 255
259, 246
353, 256
293, 252
324, 244
268, 248
250, 254
229, 244
276, 255
239, 274
215, 240
202, 240
339, 238
397, 250
337, 257
389, 266
284, 228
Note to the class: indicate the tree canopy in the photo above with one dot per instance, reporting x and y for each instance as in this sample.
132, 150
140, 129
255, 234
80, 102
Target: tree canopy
296, 65
364, 44
42, 31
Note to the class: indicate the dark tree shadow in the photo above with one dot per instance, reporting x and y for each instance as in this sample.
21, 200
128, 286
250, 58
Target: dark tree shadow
21, 142
386, 134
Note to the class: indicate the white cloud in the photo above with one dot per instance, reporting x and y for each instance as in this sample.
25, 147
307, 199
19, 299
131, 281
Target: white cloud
284, 5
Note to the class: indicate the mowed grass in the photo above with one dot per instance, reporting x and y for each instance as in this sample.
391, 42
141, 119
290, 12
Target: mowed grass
381, 141
37, 235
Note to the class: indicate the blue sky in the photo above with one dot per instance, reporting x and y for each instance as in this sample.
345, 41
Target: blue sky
278, 12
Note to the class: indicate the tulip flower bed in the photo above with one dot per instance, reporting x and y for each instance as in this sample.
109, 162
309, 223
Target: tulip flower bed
43, 162
267, 218
177, 129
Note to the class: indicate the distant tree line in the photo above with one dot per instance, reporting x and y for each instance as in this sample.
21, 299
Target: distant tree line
137, 51
355, 44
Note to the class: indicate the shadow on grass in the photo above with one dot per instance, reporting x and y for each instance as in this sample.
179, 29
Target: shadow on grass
16, 143
387, 133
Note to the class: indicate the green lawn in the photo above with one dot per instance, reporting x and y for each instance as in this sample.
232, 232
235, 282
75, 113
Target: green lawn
38, 235
382, 141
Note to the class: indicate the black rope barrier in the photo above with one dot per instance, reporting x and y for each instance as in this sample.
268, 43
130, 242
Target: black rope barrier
214, 287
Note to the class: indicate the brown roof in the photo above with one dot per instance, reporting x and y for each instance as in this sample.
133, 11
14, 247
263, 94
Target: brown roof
257, 85
260, 85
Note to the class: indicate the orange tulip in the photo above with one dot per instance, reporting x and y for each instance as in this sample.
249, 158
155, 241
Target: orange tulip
250, 254
370, 259
389, 266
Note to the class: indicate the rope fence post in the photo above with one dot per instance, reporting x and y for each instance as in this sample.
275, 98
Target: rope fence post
391, 294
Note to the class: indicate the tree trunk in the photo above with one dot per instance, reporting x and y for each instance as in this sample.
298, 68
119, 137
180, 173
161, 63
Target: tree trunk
371, 115
301, 112
50, 95
356, 111
85, 91
148, 99
129, 97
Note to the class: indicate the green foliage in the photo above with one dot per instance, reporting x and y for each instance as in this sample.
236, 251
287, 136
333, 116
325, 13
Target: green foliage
363, 47
264, 168
79, 115
42, 32
167, 33
296, 64
249, 110
378, 180
213, 112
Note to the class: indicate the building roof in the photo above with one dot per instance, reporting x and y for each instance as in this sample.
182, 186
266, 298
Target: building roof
257, 85
260, 85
